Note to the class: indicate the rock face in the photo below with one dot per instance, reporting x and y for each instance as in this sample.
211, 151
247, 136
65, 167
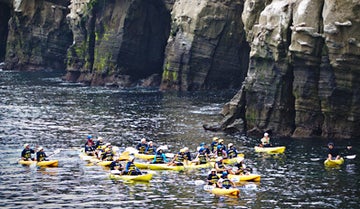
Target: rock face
38, 35
303, 78
117, 42
206, 48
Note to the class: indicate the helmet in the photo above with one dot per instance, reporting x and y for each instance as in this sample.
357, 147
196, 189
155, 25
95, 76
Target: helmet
330, 144
201, 149
219, 159
150, 142
215, 138
25, 145
100, 139
40, 148
219, 147
186, 149
230, 145
213, 170
107, 144
89, 137
182, 150
225, 173
221, 140
202, 144
266, 134
143, 140
158, 149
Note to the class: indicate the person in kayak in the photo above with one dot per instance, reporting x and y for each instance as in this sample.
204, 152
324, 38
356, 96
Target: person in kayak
240, 168
116, 167
40, 155
179, 159
26, 153
202, 157
108, 155
333, 153
225, 182
214, 144
89, 148
130, 168
187, 154
159, 157
221, 143
220, 152
219, 165
90, 141
213, 178
150, 149
231, 152
265, 141
142, 146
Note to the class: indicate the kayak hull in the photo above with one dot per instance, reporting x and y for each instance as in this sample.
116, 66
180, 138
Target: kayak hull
144, 156
249, 177
333, 163
165, 167
270, 150
49, 163
221, 191
143, 177
200, 166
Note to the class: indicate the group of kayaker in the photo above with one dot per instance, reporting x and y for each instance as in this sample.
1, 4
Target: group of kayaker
27, 151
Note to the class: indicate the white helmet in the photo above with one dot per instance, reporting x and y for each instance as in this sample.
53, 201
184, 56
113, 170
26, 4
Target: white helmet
230, 145
266, 134
25, 145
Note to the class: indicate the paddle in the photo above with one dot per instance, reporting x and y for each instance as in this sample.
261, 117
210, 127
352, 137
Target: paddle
350, 157
57, 151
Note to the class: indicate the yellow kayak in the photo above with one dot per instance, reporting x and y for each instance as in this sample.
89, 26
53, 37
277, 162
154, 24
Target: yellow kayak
165, 166
141, 165
221, 191
270, 150
249, 177
144, 156
200, 166
143, 177
49, 163
332, 163
104, 163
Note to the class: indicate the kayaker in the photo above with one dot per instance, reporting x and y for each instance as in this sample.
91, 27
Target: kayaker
116, 167
142, 146
90, 140
130, 168
221, 143
159, 157
108, 155
26, 153
187, 154
89, 148
333, 153
225, 182
219, 165
231, 152
240, 168
348, 150
214, 144
213, 178
202, 157
150, 149
220, 152
40, 155
265, 141
99, 147
179, 159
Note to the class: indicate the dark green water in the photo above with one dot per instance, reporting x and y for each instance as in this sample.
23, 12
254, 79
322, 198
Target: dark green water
40, 109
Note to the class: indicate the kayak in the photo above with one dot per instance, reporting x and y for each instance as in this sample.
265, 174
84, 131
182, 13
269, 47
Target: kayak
49, 163
270, 150
249, 177
141, 165
143, 177
332, 163
200, 166
164, 166
221, 191
144, 156
104, 163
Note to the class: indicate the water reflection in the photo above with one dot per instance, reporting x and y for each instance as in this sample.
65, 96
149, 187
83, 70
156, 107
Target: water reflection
40, 109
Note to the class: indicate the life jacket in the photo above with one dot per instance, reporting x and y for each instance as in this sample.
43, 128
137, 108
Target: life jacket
219, 152
159, 158
232, 153
41, 156
131, 166
108, 156
27, 154
213, 178
213, 146
226, 183
142, 148
202, 158
151, 150
181, 157
220, 165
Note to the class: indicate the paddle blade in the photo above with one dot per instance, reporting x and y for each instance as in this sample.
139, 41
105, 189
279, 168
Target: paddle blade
350, 157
